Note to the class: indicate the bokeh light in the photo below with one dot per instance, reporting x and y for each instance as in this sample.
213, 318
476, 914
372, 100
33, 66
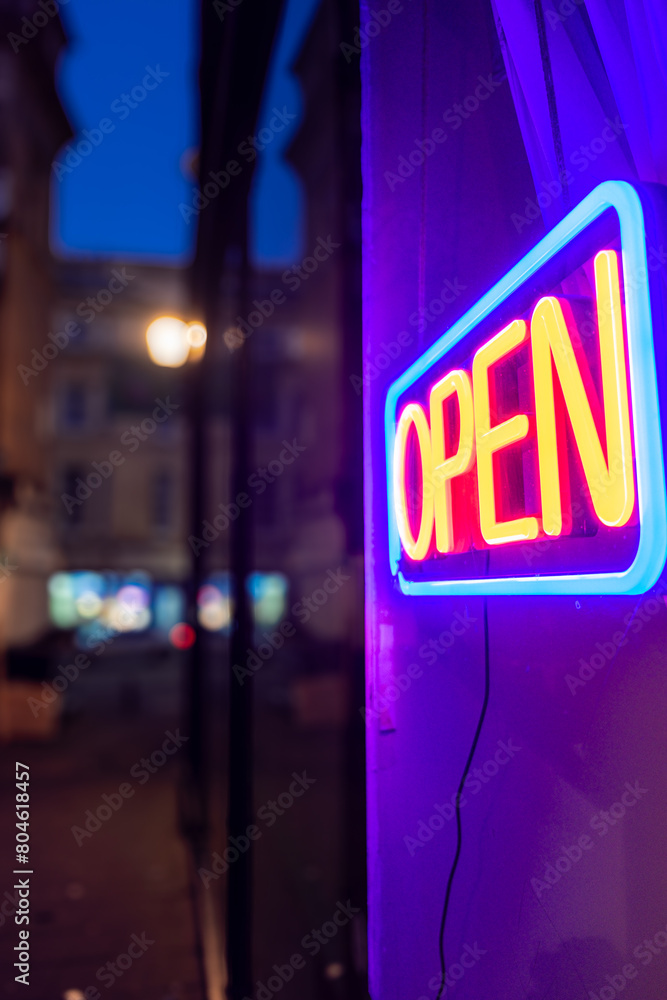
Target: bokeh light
167, 342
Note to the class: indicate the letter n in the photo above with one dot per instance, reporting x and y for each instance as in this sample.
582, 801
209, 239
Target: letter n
614, 498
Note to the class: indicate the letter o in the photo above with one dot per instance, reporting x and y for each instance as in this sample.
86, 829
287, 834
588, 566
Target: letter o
432, 822
332, 932
306, 262
652, 610
598, 146
43, 19
419, 154
597, 661
316, 599
84, 152
255, 322
138, 94
268, 651
382, 357
471, 103
275, 984
106, 810
616, 814
211, 190
543, 199
104, 297
413, 416
489, 768
59, 683
124, 965
607, 993
227, 855
437, 307
155, 755
52, 349
285, 800
568, 864
265, 135
663, 939
94, 480
392, 692
275, 467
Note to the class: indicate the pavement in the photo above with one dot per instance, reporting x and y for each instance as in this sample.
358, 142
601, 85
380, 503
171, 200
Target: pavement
110, 905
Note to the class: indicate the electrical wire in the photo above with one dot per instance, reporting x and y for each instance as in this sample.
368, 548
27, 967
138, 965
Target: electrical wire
459, 793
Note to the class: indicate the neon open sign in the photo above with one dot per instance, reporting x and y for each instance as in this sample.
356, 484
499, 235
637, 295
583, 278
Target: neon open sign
524, 450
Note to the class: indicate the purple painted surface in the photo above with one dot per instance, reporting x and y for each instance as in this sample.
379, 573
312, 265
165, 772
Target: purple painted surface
447, 225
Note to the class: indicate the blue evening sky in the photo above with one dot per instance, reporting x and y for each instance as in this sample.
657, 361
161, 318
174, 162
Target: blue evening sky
276, 206
122, 198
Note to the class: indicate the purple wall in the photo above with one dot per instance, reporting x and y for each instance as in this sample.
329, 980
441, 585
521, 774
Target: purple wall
445, 232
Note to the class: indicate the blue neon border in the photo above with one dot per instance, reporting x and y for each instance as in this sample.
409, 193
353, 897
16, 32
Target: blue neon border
650, 558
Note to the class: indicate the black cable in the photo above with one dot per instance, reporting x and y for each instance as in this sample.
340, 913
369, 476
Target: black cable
466, 769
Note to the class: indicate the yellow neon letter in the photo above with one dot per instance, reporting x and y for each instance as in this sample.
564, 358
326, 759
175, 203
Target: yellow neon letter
445, 469
416, 548
492, 439
611, 482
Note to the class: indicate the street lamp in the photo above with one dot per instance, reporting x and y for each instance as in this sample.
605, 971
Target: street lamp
171, 341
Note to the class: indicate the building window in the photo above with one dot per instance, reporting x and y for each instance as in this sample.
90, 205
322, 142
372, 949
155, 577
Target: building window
74, 405
162, 500
72, 507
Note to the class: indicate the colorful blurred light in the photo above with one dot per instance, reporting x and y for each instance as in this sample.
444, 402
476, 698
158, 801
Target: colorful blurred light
214, 608
268, 592
167, 342
182, 636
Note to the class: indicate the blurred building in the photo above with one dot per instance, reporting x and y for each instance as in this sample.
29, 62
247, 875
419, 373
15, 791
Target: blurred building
116, 424
33, 126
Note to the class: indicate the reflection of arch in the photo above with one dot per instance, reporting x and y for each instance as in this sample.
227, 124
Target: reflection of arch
276, 213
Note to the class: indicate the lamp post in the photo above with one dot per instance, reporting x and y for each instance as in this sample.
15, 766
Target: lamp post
171, 343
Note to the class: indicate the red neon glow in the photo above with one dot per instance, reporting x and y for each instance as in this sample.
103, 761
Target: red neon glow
601, 432
182, 636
